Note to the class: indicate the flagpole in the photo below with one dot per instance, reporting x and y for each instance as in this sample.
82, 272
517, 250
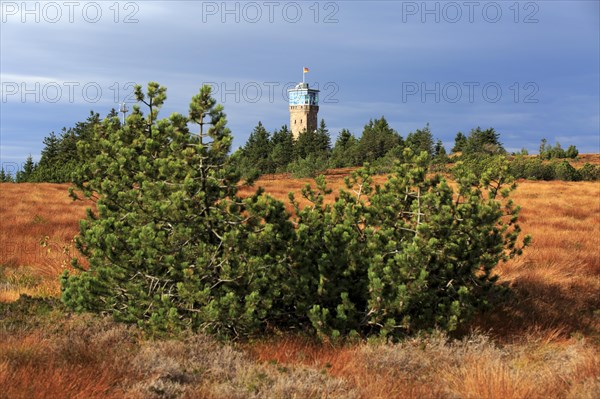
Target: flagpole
303, 74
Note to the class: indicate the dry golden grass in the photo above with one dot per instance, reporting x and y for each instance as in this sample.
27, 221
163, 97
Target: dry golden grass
557, 281
89, 357
544, 342
582, 159
30, 213
435, 367
77, 358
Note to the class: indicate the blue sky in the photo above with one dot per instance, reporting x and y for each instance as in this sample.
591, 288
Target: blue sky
530, 69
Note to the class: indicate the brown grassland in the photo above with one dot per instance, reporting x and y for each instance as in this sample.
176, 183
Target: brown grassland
543, 343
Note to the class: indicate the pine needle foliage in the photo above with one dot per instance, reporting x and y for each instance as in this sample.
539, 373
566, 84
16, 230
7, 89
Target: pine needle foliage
171, 246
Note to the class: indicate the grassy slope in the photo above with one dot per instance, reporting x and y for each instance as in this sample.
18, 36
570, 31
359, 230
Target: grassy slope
544, 343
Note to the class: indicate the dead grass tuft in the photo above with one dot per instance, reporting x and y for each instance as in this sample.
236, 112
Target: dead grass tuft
202, 367
79, 358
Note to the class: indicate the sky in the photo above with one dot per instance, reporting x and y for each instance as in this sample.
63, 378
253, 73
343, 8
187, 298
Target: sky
529, 69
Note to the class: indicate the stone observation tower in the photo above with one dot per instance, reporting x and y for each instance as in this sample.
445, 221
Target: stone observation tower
304, 106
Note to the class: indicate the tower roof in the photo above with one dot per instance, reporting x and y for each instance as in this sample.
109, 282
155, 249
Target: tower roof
303, 86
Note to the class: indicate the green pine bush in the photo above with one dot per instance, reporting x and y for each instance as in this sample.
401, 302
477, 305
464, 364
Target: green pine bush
589, 172
565, 171
171, 246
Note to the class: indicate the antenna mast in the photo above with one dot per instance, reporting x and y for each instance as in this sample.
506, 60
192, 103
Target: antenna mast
124, 110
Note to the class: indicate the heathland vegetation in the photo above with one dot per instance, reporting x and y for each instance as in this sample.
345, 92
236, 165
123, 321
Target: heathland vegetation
541, 342
176, 247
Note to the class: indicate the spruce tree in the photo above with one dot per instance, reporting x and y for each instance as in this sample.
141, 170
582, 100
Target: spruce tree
345, 152
460, 141
311, 152
544, 149
483, 142
572, 152
304, 144
51, 162
5, 177
378, 139
59, 159
421, 140
316, 143
440, 158
439, 151
27, 173
557, 151
51, 147
322, 143
256, 153
282, 153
